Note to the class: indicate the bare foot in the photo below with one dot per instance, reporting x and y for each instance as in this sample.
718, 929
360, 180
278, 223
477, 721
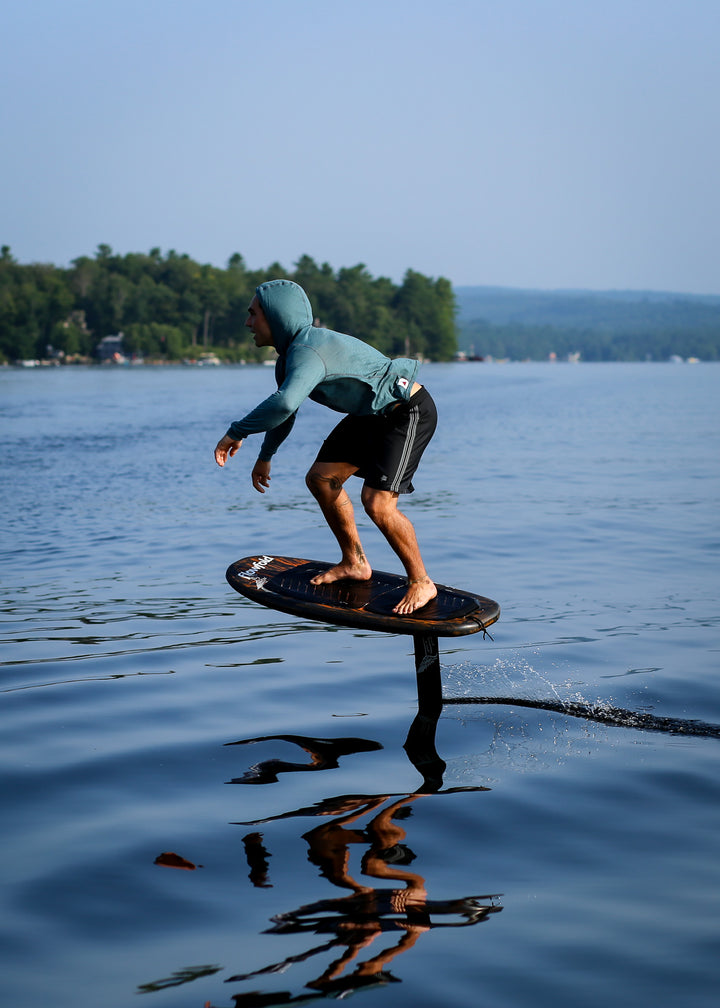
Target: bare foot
419, 593
359, 570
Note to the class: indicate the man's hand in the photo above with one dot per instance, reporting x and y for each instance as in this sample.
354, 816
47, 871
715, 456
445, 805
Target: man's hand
225, 449
261, 475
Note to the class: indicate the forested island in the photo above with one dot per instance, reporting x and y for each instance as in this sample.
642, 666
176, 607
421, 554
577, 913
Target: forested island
516, 324
168, 307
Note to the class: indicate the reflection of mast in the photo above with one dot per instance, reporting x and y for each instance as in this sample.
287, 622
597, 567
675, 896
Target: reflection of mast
420, 747
420, 741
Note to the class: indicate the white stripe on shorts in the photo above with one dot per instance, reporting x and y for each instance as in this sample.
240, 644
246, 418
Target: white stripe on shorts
407, 449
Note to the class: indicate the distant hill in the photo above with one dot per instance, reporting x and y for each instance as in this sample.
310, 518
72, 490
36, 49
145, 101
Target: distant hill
599, 325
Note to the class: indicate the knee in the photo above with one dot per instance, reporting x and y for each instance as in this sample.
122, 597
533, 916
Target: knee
321, 485
378, 504
313, 482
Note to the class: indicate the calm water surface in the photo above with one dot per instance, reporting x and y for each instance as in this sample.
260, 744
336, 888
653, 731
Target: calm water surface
210, 803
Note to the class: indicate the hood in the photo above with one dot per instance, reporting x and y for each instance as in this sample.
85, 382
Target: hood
287, 310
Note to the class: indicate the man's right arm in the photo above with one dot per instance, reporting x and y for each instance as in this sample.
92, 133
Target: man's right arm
225, 449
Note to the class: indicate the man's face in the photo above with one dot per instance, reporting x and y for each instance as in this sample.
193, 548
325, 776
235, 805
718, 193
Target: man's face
258, 324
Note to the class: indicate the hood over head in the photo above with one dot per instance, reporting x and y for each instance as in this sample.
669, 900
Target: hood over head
287, 309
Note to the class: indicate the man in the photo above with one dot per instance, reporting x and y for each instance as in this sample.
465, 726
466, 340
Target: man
390, 419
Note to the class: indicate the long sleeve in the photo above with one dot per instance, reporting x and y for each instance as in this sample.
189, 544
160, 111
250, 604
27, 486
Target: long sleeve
275, 437
276, 414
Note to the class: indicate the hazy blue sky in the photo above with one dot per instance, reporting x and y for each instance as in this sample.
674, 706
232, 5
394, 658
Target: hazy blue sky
524, 143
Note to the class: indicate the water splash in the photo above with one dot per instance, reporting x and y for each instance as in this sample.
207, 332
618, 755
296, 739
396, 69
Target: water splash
514, 680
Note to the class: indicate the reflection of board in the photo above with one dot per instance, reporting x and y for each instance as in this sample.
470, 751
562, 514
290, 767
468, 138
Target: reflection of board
284, 583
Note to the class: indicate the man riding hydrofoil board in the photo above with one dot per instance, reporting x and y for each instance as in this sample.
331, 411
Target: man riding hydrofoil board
389, 421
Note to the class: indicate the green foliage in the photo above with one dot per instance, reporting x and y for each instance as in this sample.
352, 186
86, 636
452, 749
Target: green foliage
153, 339
32, 300
427, 308
171, 307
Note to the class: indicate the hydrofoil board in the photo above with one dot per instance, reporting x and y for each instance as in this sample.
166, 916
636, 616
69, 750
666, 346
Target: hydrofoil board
283, 583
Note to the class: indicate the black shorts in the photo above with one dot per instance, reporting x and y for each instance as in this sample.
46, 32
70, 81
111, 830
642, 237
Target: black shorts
386, 449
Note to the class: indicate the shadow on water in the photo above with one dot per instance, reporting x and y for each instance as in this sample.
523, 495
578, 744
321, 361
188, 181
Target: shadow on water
396, 905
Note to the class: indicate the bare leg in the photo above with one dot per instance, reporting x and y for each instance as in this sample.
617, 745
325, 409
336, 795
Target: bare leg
325, 482
381, 506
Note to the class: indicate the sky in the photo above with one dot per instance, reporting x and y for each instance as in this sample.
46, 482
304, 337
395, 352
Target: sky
546, 144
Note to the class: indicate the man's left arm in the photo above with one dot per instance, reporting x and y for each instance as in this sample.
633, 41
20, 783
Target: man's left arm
261, 476
305, 370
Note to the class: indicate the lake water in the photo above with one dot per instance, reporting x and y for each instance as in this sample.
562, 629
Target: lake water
209, 803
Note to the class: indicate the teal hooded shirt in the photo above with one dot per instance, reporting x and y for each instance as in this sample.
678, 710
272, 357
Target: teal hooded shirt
330, 368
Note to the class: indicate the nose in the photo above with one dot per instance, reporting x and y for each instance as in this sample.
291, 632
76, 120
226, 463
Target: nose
248, 323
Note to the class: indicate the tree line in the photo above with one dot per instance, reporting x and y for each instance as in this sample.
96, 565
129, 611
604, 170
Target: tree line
168, 306
601, 326
537, 342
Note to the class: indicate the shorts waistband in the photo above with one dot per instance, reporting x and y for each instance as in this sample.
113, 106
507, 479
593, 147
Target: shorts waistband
415, 399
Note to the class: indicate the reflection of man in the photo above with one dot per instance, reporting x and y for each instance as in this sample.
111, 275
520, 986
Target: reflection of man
329, 850
352, 922
357, 920
367, 913
390, 420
